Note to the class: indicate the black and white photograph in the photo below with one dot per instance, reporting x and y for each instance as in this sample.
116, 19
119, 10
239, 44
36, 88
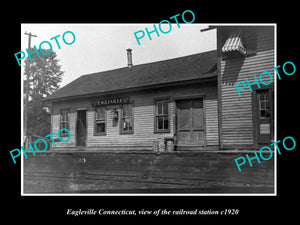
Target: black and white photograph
149, 117
178, 114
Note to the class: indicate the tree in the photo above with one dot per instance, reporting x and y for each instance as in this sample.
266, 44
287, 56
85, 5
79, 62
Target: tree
44, 74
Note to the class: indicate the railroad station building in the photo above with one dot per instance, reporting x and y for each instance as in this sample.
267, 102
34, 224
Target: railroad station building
185, 103
173, 126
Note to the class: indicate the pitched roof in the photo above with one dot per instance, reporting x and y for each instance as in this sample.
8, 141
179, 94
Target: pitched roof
197, 66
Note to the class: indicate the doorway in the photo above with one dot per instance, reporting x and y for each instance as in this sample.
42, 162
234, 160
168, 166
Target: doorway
190, 124
81, 128
263, 114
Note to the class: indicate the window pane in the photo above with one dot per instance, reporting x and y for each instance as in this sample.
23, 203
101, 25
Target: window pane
165, 108
127, 119
127, 124
261, 97
159, 105
262, 113
64, 116
64, 132
130, 125
124, 110
162, 111
100, 113
166, 123
159, 123
64, 121
262, 105
127, 110
268, 104
100, 128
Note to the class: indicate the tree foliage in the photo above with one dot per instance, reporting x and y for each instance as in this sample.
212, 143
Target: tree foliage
44, 75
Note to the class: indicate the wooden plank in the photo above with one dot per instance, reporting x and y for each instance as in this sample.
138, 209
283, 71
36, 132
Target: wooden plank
98, 172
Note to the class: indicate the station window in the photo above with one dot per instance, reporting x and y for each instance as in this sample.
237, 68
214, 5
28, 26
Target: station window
126, 119
100, 121
264, 105
64, 122
161, 116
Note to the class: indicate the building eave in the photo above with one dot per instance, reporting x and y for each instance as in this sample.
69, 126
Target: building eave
212, 77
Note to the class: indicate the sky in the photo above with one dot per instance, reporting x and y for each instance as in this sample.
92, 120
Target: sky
102, 47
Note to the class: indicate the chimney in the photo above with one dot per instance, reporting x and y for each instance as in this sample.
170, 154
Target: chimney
129, 57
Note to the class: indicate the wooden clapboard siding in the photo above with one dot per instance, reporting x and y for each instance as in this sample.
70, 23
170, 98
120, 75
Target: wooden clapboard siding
143, 114
265, 38
56, 126
211, 115
237, 122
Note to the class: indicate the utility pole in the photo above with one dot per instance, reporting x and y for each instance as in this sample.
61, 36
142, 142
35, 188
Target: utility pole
29, 39
27, 95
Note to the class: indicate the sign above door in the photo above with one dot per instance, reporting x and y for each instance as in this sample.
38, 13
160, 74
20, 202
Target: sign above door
110, 101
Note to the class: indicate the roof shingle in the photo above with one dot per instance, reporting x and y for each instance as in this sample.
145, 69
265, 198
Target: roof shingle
197, 66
